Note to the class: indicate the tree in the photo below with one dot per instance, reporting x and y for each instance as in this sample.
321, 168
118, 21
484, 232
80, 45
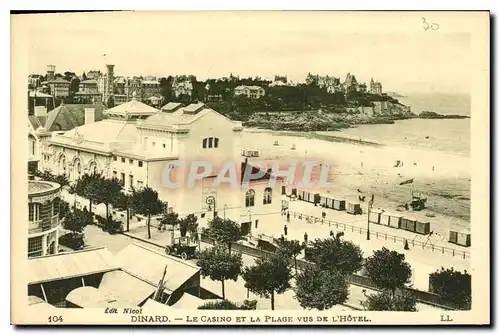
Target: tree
290, 249
453, 286
108, 191
388, 269
171, 219
84, 76
336, 254
268, 276
88, 186
75, 222
219, 265
189, 224
146, 202
74, 86
228, 305
224, 231
60, 179
321, 289
124, 202
111, 102
386, 301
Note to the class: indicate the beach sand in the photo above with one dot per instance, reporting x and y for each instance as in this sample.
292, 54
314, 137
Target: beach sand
444, 178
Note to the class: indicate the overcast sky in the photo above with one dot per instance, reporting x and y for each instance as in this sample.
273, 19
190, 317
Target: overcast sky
208, 45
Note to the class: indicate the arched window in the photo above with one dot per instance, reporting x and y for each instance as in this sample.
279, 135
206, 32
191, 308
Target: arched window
205, 143
62, 165
216, 142
77, 170
250, 198
268, 195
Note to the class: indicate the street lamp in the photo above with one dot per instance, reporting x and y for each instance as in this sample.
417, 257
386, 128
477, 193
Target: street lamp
210, 201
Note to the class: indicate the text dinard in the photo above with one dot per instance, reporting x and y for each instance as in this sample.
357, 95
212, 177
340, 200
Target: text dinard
206, 319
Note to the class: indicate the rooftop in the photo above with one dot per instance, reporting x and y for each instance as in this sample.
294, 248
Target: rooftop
36, 187
70, 265
132, 107
67, 117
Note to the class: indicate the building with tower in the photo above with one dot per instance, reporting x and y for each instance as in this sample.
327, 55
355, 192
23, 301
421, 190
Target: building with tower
375, 87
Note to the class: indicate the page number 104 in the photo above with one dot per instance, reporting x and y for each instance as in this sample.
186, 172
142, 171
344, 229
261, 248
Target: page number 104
54, 319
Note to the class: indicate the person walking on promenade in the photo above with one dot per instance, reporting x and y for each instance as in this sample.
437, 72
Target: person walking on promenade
305, 237
288, 216
285, 229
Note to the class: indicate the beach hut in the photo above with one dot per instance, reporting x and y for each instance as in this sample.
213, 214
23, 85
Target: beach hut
339, 205
408, 223
422, 227
323, 200
374, 216
394, 220
353, 208
462, 238
329, 203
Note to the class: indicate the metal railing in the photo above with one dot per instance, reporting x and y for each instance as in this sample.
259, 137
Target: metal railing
383, 236
42, 225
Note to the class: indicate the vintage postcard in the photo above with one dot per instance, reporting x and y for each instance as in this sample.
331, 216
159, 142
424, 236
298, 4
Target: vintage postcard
251, 168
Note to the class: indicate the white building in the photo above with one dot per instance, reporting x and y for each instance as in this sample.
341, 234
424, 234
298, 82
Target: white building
141, 146
252, 92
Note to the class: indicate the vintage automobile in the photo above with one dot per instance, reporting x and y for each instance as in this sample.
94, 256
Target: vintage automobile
182, 247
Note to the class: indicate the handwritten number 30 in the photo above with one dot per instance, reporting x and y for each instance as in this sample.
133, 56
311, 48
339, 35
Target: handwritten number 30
431, 26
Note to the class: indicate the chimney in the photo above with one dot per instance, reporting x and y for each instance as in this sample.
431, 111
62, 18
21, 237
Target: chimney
89, 115
40, 111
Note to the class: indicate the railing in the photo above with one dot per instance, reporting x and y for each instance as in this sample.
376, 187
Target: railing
42, 225
379, 235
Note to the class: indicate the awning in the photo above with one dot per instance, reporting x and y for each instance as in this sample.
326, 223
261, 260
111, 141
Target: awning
122, 285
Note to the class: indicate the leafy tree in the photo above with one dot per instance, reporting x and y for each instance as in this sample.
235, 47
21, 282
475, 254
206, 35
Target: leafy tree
84, 76
386, 301
321, 289
189, 224
453, 286
388, 269
224, 231
228, 305
268, 276
336, 254
146, 202
171, 219
74, 221
290, 249
88, 186
109, 190
74, 85
124, 202
48, 176
219, 265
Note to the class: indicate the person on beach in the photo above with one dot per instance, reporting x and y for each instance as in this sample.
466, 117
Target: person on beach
288, 216
331, 233
285, 230
323, 215
406, 247
305, 237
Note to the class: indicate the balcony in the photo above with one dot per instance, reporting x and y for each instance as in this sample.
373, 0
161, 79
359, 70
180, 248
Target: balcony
42, 225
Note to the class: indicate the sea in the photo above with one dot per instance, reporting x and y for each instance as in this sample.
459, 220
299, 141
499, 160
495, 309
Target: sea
450, 135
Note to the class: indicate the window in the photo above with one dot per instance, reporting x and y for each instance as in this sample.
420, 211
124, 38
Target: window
123, 159
122, 179
216, 142
164, 146
210, 139
131, 180
35, 246
115, 158
268, 195
210, 142
131, 161
31, 212
250, 198
204, 143
140, 163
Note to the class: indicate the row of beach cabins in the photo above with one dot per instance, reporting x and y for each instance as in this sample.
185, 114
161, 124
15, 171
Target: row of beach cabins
408, 222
